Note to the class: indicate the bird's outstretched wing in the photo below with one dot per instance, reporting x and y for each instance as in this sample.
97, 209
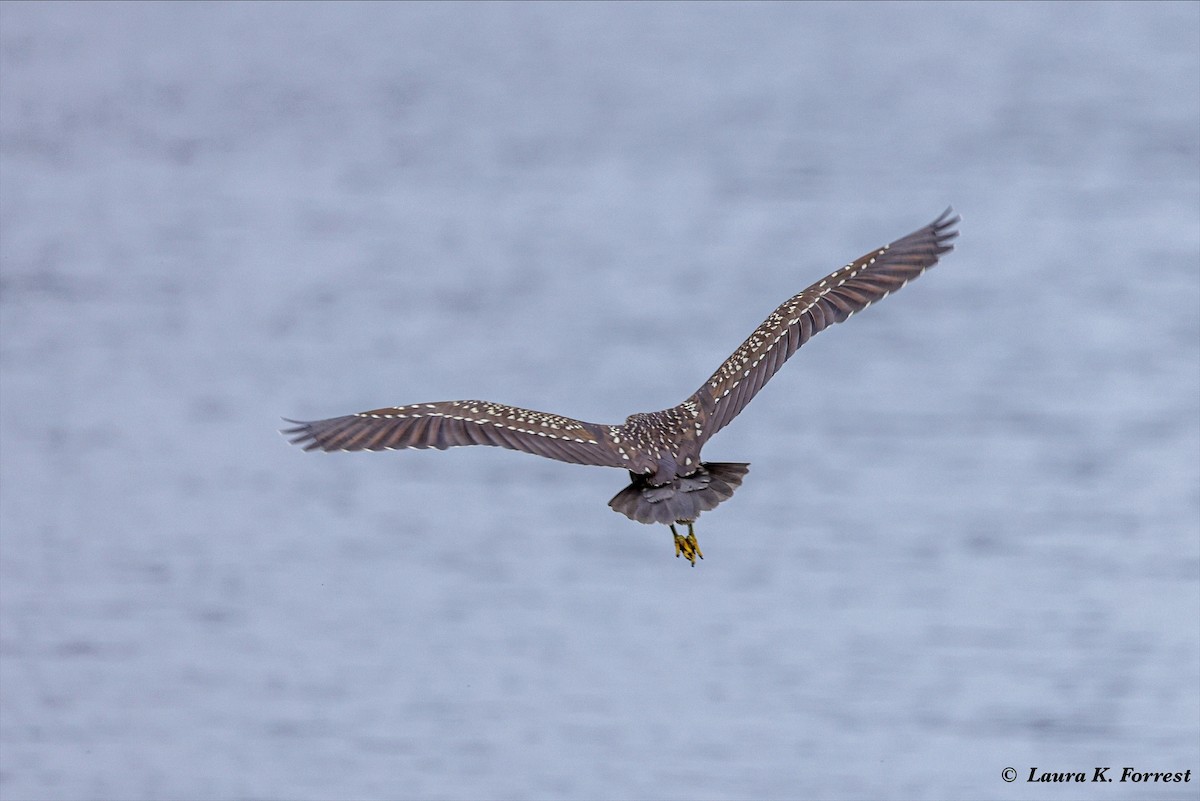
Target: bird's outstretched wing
831, 300
465, 422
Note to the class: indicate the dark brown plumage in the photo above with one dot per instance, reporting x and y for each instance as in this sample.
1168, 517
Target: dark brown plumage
661, 450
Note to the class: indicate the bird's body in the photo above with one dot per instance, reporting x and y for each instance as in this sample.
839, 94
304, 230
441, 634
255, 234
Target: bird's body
661, 450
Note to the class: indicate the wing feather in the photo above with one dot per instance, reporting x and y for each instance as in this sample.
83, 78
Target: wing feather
831, 300
455, 423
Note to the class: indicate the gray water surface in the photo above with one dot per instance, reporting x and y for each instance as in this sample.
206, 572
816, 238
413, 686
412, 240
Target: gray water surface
970, 537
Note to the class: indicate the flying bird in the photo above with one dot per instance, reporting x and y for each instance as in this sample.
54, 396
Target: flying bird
669, 484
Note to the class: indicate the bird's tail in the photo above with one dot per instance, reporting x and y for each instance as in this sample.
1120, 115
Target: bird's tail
682, 499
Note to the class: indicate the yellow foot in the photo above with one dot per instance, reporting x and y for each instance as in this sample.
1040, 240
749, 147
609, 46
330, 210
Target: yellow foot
687, 545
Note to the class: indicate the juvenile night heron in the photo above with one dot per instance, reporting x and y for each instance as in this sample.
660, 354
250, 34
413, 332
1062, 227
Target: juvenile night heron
669, 483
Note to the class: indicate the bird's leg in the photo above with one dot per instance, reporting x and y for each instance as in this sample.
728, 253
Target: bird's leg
691, 539
687, 545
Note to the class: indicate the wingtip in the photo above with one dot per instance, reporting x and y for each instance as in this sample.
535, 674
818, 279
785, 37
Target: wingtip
947, 217
300, 433
944, 229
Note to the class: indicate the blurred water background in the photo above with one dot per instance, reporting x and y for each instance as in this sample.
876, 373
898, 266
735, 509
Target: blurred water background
970, 537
